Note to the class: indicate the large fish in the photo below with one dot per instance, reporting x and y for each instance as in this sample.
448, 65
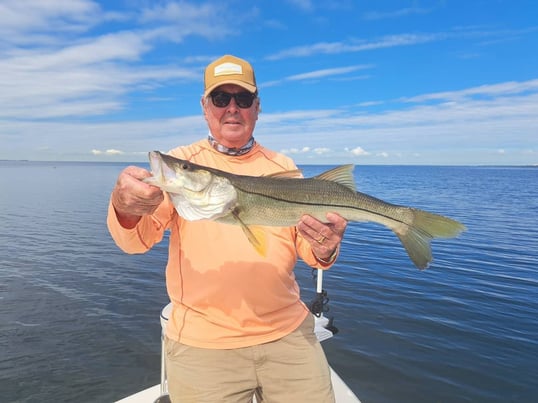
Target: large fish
200, 192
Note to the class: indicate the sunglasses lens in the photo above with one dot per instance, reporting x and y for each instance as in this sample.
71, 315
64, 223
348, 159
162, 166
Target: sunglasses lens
221, 99
244, 99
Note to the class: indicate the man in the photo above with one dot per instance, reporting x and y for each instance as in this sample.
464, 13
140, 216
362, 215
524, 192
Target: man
237, 326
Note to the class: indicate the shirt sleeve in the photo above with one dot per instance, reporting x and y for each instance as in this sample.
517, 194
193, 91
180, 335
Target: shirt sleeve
147, 232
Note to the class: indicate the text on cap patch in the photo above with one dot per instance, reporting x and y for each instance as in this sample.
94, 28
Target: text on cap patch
227, 69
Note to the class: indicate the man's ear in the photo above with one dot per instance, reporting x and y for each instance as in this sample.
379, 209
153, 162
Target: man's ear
203, 104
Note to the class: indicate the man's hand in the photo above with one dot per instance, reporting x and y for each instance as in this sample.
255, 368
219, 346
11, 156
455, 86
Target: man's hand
133, 198
323, 237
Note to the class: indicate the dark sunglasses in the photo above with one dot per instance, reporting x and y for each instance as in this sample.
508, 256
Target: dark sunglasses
242, 99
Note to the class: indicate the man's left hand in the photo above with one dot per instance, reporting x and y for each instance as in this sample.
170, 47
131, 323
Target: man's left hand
323, 237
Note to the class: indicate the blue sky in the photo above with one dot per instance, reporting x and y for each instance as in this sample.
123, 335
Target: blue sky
379, 82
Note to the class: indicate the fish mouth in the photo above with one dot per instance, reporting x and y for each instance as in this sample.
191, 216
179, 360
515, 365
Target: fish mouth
155, 164
175, 176
159, 169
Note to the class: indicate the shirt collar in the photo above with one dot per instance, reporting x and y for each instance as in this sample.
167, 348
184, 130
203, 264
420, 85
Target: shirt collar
231, 150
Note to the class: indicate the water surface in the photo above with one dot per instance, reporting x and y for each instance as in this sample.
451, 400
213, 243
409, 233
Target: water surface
79, 319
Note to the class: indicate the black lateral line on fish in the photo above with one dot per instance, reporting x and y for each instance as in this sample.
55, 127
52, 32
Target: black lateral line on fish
329, 206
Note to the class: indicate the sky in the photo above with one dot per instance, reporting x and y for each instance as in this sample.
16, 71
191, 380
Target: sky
440, 82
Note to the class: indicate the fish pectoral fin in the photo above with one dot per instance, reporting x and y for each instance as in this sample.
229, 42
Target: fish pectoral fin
256, 235
342, 175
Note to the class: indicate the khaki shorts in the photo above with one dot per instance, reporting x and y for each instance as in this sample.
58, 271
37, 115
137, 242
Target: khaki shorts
291, 369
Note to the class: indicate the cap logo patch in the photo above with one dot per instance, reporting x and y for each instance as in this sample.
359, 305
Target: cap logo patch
225, 69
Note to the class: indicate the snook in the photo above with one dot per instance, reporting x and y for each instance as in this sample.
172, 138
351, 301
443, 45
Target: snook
200, 192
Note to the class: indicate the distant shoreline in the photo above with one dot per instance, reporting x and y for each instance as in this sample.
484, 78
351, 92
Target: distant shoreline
299, 164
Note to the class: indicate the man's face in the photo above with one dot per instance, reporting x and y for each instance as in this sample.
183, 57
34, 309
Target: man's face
231, 125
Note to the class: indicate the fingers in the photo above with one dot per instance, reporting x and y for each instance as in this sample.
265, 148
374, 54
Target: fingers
334, 228
339, 223
133, 197
323, 237
136, 172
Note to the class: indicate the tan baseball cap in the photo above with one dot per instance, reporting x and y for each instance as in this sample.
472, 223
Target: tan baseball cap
229, 70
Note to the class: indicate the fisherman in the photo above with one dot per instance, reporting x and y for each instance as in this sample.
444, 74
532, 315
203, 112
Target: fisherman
238, 326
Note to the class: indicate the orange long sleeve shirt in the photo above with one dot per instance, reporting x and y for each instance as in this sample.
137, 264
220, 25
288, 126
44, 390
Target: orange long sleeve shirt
223, 293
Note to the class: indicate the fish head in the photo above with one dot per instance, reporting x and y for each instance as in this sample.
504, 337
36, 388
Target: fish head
196, 192
175, 175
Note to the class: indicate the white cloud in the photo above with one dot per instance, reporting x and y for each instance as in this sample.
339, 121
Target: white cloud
357, 151
322, 150
395, 40
175, 21
407, 131
33, 22
340, 72
71, 74
480, 92
320, 74
326, 72
327, 48
78, 80
108, 152
303, 150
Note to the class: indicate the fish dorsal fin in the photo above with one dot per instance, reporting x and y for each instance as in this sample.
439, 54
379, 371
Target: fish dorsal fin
294, 173
342, 175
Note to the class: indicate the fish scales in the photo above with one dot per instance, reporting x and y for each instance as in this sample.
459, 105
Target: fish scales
296, 197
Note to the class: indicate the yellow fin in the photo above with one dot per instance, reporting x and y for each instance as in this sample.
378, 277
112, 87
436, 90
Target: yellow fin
256, 235
342, 175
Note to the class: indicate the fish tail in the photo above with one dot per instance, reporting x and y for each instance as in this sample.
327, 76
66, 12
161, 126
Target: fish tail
416, 236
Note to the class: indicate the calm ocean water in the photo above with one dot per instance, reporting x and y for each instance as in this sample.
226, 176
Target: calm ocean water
79, 320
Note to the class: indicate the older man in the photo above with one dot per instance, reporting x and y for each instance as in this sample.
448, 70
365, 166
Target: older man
238, 326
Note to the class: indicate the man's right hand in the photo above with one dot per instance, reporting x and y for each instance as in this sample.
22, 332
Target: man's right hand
133, 198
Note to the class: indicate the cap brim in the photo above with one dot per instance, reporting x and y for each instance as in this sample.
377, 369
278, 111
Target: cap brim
248, 87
